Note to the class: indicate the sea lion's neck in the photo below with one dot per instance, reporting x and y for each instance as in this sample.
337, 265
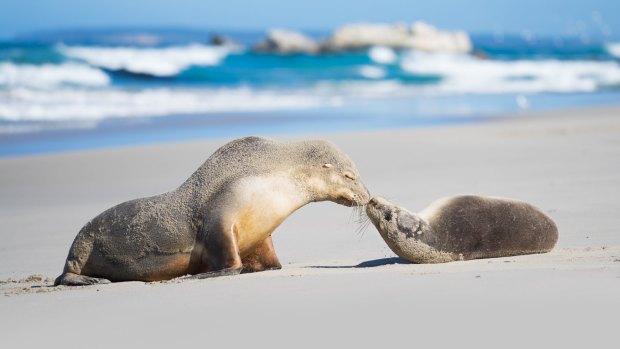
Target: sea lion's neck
281, 190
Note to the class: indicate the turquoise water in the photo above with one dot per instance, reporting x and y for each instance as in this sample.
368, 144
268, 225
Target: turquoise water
75, 90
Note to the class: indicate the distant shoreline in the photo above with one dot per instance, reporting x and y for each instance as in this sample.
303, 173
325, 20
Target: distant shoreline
195, 127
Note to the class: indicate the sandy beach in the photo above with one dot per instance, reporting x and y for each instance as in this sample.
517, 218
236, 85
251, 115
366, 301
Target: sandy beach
337, 287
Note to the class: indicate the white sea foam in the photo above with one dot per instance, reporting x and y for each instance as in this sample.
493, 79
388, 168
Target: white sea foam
166, 61
382, 55
51, 75
26, 104
467, 74
613, 49
372, 72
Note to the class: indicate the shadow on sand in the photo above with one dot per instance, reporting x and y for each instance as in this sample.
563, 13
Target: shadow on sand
368, 264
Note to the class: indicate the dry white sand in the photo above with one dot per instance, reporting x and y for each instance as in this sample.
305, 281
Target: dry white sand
567, 163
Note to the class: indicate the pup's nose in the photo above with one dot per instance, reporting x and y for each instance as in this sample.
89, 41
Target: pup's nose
372, 201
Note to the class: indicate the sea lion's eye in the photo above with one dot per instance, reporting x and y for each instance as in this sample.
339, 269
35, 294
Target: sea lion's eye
388, 216
327, 165
349, 176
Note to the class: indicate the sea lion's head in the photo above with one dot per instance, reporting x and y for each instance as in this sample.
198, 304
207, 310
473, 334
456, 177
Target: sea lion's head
406, 233
391, 220
331, 175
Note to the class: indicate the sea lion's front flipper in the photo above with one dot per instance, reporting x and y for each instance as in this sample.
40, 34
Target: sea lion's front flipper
71, 279
222, 254
262, 258
212, 274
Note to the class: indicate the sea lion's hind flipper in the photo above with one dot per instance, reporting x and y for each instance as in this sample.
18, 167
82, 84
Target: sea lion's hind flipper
71, 279
212, 274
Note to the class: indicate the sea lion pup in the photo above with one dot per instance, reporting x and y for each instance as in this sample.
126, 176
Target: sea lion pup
219, 222
463, 228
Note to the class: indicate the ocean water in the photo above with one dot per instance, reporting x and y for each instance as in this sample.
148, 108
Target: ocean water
83, 89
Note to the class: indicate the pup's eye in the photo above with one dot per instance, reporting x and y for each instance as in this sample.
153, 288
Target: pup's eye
349, 176
388, 216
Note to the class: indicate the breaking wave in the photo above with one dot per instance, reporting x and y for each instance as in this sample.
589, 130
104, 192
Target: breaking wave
159, 62
51, 75
382, 55
613, 49
469, 74
26, 104
372, 72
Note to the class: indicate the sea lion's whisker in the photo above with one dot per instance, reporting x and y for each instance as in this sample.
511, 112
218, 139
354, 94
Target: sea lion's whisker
355, 214
361, 215
362, 229
351, 215
363, 222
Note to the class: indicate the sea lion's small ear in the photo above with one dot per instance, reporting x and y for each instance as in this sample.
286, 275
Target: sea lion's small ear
327, 165
408, 224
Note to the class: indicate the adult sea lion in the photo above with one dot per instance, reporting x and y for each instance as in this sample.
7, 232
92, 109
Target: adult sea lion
463, 228
218, 222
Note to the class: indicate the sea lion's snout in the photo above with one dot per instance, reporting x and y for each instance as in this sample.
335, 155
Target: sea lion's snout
353, 198
364, 195
378, 209
378, 202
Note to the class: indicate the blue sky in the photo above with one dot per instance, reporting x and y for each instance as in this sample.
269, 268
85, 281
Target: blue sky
542, 17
